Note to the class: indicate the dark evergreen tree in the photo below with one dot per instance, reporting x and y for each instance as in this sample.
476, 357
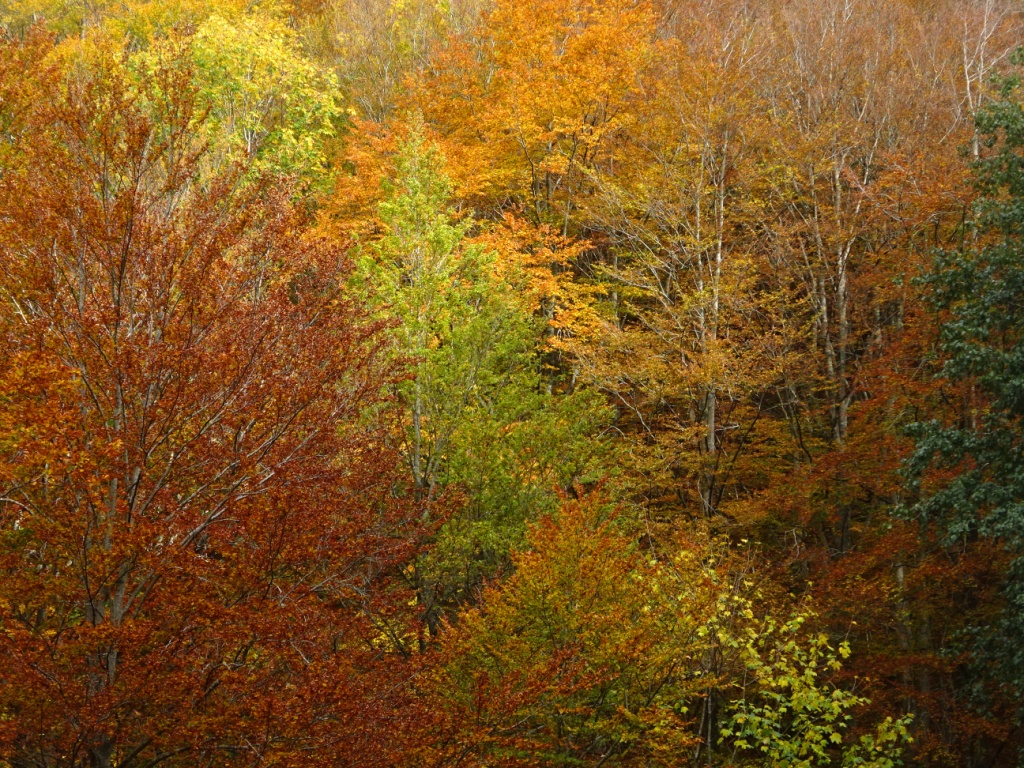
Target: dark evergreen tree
979, 291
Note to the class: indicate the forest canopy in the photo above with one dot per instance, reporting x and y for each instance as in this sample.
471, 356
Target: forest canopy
511, 383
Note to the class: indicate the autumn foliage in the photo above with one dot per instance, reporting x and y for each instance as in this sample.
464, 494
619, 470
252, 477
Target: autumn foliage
199, 534
510, 383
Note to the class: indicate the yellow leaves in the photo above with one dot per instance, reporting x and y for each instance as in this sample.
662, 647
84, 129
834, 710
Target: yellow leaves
140, 21
266, 100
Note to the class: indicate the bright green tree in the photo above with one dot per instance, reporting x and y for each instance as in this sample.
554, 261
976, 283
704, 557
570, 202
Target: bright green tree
475, 415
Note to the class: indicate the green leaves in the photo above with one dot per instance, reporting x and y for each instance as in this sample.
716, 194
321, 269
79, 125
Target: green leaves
265, 104
795, 718
972, 471
475, 416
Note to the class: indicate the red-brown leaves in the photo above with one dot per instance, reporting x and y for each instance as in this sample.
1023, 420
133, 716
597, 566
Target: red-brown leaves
196, 523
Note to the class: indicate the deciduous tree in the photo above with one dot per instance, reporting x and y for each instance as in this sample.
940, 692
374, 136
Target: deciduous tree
197, 527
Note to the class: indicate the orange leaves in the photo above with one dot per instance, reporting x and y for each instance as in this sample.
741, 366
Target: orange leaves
191, 545
34, 389
531, 99
590, 649
351, 210
542, 260
563, 66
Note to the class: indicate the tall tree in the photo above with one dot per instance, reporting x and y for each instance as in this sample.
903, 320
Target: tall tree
971, 469
197, 527
477, 416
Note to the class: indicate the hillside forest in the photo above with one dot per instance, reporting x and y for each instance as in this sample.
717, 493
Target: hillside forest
511, 383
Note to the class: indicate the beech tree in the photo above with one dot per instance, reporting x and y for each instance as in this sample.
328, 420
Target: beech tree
197, 528
594, 651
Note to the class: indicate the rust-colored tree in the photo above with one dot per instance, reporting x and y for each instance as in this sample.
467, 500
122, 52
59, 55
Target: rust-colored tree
198, 526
